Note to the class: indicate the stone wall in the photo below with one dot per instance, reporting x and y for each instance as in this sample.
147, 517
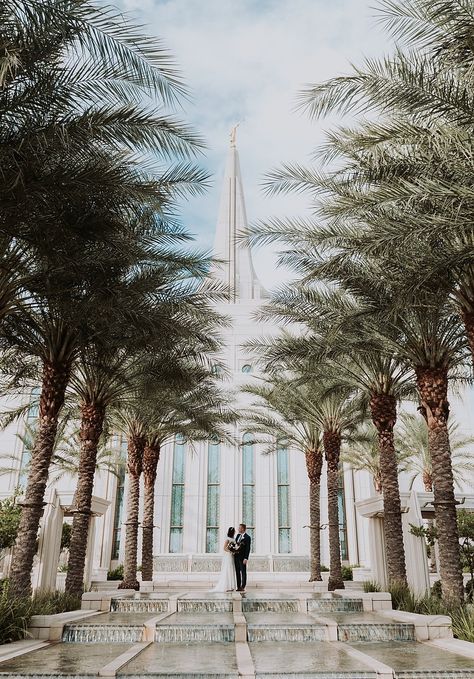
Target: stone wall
196, 563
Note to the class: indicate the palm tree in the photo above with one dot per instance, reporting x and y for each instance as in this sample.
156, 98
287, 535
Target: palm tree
78, 158
198, 411
195, 413
413, 445
358, 361
364, 455
136, 442
284, 412
151, 457
336, 416
131, 350
65, 460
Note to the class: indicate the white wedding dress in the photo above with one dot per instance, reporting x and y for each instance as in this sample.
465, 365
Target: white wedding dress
227, 578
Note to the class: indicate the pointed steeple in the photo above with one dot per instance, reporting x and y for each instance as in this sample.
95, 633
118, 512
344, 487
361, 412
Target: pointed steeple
237, 270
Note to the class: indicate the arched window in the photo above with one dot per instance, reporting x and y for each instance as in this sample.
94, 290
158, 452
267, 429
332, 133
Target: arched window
177, 496
119, 496
248, 484
341, 503
283, 493
213, 496
247, 368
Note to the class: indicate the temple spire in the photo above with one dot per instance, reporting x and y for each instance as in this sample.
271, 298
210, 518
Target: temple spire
237, 270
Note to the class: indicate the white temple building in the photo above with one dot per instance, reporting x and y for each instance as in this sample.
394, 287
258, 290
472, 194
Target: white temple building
201, 490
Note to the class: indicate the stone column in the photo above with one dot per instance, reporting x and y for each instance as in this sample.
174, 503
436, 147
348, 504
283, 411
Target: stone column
89, 553
377, 551
415, 548
49, 544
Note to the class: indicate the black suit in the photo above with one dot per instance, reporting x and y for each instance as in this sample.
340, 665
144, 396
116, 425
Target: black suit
240, 567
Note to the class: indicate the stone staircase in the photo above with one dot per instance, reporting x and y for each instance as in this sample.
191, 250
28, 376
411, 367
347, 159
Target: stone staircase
264, 634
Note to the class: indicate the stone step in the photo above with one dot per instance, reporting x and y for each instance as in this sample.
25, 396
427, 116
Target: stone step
193, 627
175, 661
291, 627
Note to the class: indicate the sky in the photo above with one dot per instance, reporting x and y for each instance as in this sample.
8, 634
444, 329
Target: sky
245, 61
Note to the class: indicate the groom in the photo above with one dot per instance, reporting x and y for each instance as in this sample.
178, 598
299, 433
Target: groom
241, 557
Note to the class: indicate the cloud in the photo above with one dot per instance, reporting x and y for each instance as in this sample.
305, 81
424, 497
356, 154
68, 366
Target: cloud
247, 60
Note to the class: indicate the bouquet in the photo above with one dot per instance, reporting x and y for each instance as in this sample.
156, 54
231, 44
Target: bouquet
233, 546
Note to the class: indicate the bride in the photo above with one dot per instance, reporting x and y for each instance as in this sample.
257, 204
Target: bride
227, 580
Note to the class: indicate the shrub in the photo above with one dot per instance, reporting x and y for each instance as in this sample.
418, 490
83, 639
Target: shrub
463, 623
48, 603
371, 586
346, 572
9, 522
431, 604
470, 591
402, 598
116, 573
436, 589
324, 569
15, 613
66, 536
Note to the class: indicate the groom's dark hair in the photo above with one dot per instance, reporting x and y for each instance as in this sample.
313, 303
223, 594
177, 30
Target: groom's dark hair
244, 526
231, 532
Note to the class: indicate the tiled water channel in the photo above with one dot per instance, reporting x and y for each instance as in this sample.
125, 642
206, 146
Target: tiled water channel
192, 635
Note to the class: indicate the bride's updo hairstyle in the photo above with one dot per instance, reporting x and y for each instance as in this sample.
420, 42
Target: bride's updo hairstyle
231, 532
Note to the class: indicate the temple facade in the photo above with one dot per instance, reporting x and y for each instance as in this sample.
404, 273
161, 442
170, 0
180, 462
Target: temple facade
204, 488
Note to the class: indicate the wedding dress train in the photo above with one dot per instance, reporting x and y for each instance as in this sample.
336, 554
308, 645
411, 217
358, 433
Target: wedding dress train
227, 578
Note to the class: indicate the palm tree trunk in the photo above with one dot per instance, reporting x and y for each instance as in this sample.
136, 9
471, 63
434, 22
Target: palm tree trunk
151, 456
136, 446
314, 465
54, 382
332, 450
92, 422
433, 389
384, 415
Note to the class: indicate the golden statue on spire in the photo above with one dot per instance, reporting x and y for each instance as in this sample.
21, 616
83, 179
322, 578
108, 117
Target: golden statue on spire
233, 134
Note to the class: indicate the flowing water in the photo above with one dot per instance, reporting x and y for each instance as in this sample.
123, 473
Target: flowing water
139, 605
335, 605
203, 606
375, 632
99, 634
436, 674
268, 632
194, 633
318, 675
272, 605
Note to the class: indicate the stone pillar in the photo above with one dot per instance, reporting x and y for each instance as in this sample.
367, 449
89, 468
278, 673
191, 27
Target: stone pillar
415, 548
377, 551
105, 530
49, 544
351, 517
89, 553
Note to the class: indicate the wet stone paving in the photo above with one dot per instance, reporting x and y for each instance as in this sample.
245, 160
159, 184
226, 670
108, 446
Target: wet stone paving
196, 634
